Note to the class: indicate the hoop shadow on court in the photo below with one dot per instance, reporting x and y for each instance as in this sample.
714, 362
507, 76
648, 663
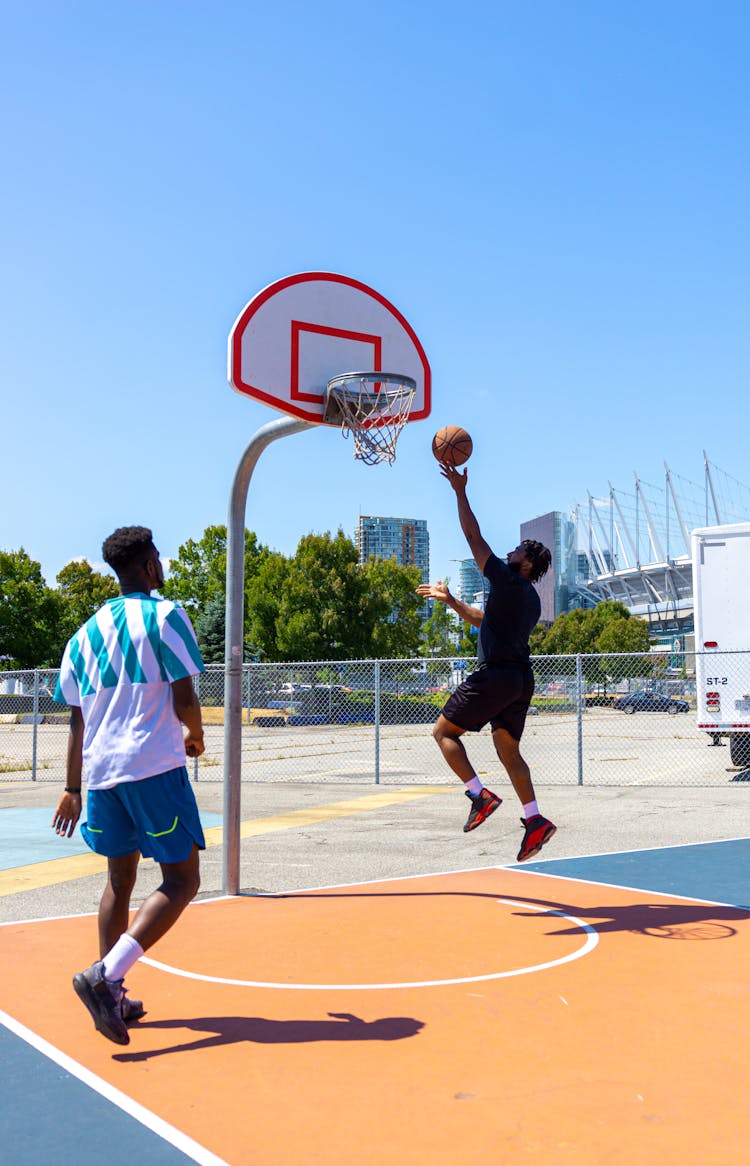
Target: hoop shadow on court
653, 920
227, 1030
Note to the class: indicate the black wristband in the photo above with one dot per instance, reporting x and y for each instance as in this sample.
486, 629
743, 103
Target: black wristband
69, 790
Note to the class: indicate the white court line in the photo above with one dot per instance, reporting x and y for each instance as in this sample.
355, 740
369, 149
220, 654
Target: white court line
618, 853
511, 866
589, 882
592, 939
139, 1113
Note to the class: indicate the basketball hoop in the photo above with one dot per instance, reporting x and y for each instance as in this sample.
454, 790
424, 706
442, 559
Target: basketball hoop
374, 407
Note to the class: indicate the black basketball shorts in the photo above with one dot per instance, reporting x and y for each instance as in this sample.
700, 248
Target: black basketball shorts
498, 695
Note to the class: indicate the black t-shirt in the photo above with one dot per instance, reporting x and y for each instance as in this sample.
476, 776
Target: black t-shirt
511, 612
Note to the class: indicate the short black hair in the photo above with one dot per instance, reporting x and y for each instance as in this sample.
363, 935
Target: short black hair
539, 557
125, 546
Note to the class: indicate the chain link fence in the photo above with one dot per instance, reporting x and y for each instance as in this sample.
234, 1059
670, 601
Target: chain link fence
595, 720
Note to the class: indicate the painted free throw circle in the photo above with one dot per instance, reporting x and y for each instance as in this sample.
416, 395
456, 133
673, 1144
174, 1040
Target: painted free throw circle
590, 941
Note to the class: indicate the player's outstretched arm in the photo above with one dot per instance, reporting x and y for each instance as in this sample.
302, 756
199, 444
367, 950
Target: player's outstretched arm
439, 590
188, 710
458, 480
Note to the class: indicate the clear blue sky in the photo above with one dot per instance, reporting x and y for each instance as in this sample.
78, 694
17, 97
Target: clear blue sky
554, 193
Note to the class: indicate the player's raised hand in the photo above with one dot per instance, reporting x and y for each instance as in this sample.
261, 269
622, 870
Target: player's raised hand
457, 478
437, 590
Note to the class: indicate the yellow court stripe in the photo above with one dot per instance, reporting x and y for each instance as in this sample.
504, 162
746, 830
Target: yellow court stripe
63, 870
309, 817
46, 874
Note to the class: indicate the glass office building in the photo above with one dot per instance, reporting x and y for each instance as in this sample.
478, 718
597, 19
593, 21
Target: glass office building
556, 589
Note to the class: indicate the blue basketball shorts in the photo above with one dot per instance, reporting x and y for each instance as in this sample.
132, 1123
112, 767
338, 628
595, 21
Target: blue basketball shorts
157, 816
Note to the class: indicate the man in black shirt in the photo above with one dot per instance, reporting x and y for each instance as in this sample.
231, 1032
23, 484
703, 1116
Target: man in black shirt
500, 691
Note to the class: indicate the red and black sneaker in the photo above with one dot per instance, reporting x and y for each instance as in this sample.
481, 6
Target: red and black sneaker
538, 831
484, 804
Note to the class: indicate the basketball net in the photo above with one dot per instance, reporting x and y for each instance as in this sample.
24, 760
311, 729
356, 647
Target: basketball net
373, 407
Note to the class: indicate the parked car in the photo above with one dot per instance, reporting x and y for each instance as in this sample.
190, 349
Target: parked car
599, 700
653, 702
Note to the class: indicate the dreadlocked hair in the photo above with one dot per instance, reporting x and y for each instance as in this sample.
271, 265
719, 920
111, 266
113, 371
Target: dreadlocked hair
539, 556
127, 545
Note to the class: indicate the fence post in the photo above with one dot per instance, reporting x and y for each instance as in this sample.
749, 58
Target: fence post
579, 715
34, 725
377, 722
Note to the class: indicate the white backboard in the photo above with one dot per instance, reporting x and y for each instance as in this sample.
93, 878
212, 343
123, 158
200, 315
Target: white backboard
297, 333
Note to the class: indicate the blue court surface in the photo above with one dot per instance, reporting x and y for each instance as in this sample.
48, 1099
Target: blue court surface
716, 871
26, 837
49, 1116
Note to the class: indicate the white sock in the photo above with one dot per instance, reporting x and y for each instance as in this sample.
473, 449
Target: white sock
474, 786
529, 809
119, 959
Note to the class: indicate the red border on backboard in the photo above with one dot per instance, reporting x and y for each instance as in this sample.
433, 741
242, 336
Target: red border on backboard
250, 309
322, 330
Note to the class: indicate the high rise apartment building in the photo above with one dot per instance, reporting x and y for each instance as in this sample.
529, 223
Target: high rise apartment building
404, 539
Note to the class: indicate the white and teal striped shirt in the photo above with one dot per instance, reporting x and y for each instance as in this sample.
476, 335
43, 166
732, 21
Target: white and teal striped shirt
118, 669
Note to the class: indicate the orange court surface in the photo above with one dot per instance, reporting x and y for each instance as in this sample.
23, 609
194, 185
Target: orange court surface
485, 1016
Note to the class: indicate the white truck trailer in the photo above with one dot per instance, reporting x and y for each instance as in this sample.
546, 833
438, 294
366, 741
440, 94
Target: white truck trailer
721, 597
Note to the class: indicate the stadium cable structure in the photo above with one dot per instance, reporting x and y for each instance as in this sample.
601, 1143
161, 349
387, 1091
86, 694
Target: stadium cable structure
634, 546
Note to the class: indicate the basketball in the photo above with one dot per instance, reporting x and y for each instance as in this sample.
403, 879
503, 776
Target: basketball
452, 445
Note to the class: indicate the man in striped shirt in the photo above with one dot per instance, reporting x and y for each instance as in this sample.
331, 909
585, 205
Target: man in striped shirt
127, 676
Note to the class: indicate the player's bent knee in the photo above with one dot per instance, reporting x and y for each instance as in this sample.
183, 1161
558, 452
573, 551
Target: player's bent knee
183, 879
445, 731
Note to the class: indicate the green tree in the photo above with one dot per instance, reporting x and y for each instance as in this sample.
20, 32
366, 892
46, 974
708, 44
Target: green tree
392, 608
322, 615
210, 625
82, 591
595, 633
30, 614
581, 631
439, 631
198, 573
468, 645
321, 604
263, 604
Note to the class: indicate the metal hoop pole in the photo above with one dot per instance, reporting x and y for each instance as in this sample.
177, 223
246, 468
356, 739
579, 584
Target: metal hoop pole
233, 644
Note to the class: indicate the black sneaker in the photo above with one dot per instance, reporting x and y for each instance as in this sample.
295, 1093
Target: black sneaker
103, 998
484, 804
538, 831
131, 1009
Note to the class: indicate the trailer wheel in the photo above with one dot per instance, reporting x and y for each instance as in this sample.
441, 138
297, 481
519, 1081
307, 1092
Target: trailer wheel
739, 748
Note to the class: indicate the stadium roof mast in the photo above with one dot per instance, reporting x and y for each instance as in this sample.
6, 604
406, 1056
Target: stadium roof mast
595, 547
678, 511
623, 529
710, 486
652, 534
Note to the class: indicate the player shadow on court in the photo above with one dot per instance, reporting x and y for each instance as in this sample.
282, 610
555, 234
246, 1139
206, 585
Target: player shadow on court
654, 920
230, 1030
